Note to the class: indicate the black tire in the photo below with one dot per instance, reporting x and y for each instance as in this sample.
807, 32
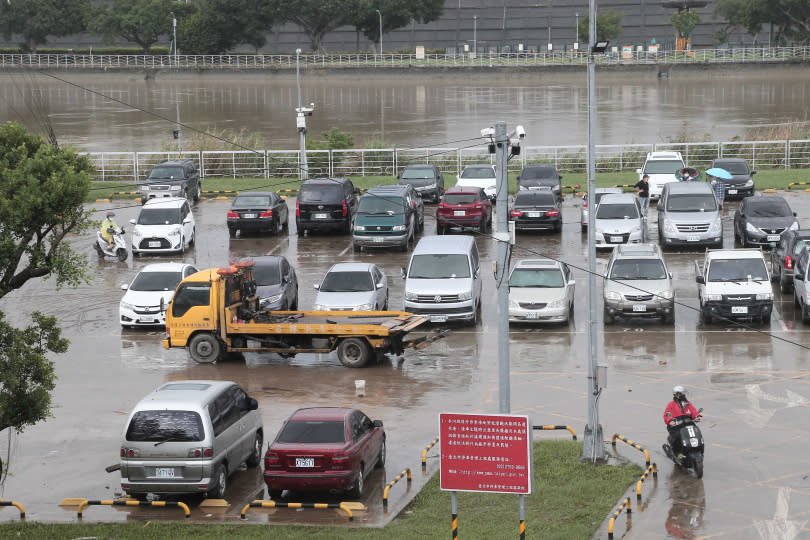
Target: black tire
608, 318
121, 253
355, 248
197, 193
232, 232
359, 488
766, 319
354, 352
795, 299
255, 456
204, 348
706, 316
99, 250
441, 229
279, 228
784, 287
699, 468
668, 319
476, 315
220, 479
805, 314
182, 245
774, 275
482, 227
385, 304
274, 494
193, 237
381, 460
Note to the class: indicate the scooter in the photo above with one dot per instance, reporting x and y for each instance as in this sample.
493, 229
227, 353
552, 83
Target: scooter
119, 247
690, 454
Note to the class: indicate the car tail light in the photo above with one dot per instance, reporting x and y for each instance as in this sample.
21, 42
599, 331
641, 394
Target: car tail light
515, 213
232, 214
553, 213
788, 262
271, 458
345, 208
586, 204
266, 213
128, 452
413, 204
123, 452
297, 207
208, 452
341, 460
195, 453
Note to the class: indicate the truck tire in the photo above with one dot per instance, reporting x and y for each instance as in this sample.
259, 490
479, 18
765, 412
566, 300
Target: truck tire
354, 352
204, 348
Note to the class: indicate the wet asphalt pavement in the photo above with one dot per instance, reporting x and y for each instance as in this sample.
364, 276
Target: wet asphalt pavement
752, 383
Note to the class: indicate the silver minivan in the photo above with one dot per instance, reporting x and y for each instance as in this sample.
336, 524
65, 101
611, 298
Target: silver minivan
443, 279
187, 437
688, 214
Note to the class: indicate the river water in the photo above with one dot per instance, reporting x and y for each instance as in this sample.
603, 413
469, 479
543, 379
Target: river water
408, 108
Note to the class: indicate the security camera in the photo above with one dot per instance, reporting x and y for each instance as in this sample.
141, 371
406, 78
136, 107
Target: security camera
488, 133
520, 132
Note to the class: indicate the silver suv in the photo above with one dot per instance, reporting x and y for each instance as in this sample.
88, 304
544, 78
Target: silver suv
638, 284
179, 178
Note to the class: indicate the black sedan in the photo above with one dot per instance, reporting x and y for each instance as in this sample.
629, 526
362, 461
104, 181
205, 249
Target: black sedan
536, 209
258, 211
276, 282
785, 255
760, 220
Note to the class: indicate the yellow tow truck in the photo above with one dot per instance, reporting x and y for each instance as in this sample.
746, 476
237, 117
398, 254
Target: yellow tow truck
216, 312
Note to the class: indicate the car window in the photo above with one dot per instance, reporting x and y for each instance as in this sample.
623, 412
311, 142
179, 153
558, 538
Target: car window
159, 216
439, 266
535, 198
737, 270
266, 274
477, 172
663, 166
698, 202
347, 282
460, 198
734, 167
539, 172
155, 281
312, 432
380, 204
536, 277
226, 410
377, 275
311, 193
240, 400
190, 295
638, 269
417, 173
617, 211
165, 425
169, 172
769, 208
263, 201
799, 246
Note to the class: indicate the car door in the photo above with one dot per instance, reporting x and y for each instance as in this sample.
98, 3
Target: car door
280, 206
569, 284
187, 219
362, 448
381, 293
778, 254
372, 439
290, 283
439, 182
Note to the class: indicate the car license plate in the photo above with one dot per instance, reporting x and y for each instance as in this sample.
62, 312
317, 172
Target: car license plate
739, 309
305, 462
146, 318
773, 238
164, 472
639, 308
154, 244
249, 216
438, 318
459, 212
534, 214
616, 239
321, 216
532, 315
379, 239
732, 192
693, 238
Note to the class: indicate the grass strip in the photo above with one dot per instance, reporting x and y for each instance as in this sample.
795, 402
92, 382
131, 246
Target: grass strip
570, 501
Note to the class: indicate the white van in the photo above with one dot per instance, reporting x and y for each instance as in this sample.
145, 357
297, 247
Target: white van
443, 279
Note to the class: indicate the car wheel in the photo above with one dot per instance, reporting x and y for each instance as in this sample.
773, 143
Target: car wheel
795, 298
385, 304
706, 316
279, 227
355, 247
193, 237
805, 314
774, 275
381, 460
353, 352
220, 478
121, 253
668, 319
608, 317
476, 315
182, 245
232, 232
784, 287
274, 494
359, 488
197, 193
441, 229
204, 348
255, 456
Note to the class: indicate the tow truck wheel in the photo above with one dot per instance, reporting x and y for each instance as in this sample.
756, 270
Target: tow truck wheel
204, 349
353, 352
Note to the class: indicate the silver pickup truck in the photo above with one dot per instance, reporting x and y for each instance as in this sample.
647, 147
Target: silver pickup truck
179, 178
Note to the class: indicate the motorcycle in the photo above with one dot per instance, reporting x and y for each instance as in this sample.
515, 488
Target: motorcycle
690, 454
118, 249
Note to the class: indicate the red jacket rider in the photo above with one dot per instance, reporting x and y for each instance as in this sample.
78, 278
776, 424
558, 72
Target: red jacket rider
679, 406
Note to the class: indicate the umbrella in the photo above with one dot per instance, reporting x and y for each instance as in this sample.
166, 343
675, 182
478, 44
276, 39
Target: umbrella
717, 172
687, 173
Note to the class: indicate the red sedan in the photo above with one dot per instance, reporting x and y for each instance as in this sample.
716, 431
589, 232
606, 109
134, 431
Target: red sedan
325, 448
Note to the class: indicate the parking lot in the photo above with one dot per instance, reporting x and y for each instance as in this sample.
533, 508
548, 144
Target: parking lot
749, 380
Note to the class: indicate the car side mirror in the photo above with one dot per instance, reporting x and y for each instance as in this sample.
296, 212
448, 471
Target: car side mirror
162, 305
794, 214
572, 282
670, 275
477, 272
187, 220
700, 279
378, 423
379, 285
254, 405
316, 286
402, 272
124, 287
132, 221
798, 276
559, 177
753, 173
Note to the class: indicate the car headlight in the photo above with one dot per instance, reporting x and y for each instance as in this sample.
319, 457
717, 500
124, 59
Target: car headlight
794, 226
174, 233
714, 297
465, 295
555, 304
666, 295
359, 227
749, 183
136, 233
398, 228
174, 188
765, 296
514, 304
272, 299
715, 227
429, 186
319, 307
669, 226
750, 228
127, 305
363, 307
411, 296
635, 230
612, 296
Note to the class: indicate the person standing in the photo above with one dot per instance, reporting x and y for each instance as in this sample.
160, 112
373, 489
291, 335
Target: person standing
719, 187
643, 190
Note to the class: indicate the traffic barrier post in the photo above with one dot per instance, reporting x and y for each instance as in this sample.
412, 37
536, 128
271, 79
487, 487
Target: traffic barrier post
617, 513
652, 469
790, 185
425, 452
394, 481
569, 428
634, 445
16, 505
131, 502
273, 504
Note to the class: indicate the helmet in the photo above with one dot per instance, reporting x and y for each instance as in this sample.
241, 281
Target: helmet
110, 214
679, 390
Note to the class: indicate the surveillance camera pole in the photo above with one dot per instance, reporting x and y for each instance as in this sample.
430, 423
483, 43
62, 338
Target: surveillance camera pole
300, 120
501, 270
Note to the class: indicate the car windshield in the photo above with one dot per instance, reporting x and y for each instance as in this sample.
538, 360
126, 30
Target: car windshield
155, 281
539, 172
734, 167
478, 172
159, 216
166, 173
638, 269
737, 270
321, 193
380, 204
769, 208
617, 211
460, 198
662, 166
538, 182
347, 282
252, 201
698, 202
536, 277
799, 246
312, 432
160, 426
439, 266
530, 198
417, 173
266, 274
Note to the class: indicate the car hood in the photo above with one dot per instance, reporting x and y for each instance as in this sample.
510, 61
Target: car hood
343, 299
638, 286
536, 295
618, 226
692, 217
147, 298
438, 286
772, 222
738, 179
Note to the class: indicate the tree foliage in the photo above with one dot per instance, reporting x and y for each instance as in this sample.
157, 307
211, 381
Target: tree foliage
790, 18
37, 20
318, 17
395, 14
139, 21
608, 26
42, 188
684, 22
220, 25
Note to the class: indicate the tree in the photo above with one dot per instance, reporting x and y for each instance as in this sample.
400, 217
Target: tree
684, 22
317, 17
219, 25
37, 20
395, 14
790, 18
139, 21
608, 26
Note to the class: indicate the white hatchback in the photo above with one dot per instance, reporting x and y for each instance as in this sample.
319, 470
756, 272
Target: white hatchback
482, 176
541, 291
140, 305
163, 226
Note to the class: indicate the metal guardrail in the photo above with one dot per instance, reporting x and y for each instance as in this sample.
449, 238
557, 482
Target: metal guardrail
394, 481
273, 504
634, 445
625, 504
425, 452
16, 505
569, 428
130, 502
652, 469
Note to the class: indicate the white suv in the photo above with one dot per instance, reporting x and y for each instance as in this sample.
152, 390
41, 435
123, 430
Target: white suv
164, 225
661, 167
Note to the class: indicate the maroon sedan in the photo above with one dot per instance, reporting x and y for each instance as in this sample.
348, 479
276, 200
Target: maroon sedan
325, 448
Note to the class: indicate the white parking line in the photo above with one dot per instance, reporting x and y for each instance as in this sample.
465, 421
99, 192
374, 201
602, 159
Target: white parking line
342, 253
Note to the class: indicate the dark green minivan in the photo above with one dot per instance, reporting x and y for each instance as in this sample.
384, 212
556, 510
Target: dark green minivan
388, 216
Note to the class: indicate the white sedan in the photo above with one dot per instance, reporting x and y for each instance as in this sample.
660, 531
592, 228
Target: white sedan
541, 291
352, 287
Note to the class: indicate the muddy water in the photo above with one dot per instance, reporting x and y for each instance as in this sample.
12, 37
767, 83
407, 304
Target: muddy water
126, 112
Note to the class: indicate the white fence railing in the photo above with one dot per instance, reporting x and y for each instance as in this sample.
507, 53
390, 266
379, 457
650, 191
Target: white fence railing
133, 167
490, 58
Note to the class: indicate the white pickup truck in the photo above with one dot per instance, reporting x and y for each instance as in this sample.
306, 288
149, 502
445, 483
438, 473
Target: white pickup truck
734, 284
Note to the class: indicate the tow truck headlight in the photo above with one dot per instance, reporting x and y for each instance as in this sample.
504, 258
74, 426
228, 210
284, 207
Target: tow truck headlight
714, 297
765, 296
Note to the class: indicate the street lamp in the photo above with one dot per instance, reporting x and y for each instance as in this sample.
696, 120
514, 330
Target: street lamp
300, 119
174, 36
475, 36
576, 33
381, 48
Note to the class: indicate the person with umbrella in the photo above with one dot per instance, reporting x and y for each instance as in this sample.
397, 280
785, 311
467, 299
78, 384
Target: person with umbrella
718, 177
687, 174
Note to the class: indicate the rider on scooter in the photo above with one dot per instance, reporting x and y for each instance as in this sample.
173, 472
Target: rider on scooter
108, 225
679, 406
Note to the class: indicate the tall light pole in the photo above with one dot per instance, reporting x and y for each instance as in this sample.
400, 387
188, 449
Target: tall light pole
576, 32
174, 36
381, 47
300, 119
475, 36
